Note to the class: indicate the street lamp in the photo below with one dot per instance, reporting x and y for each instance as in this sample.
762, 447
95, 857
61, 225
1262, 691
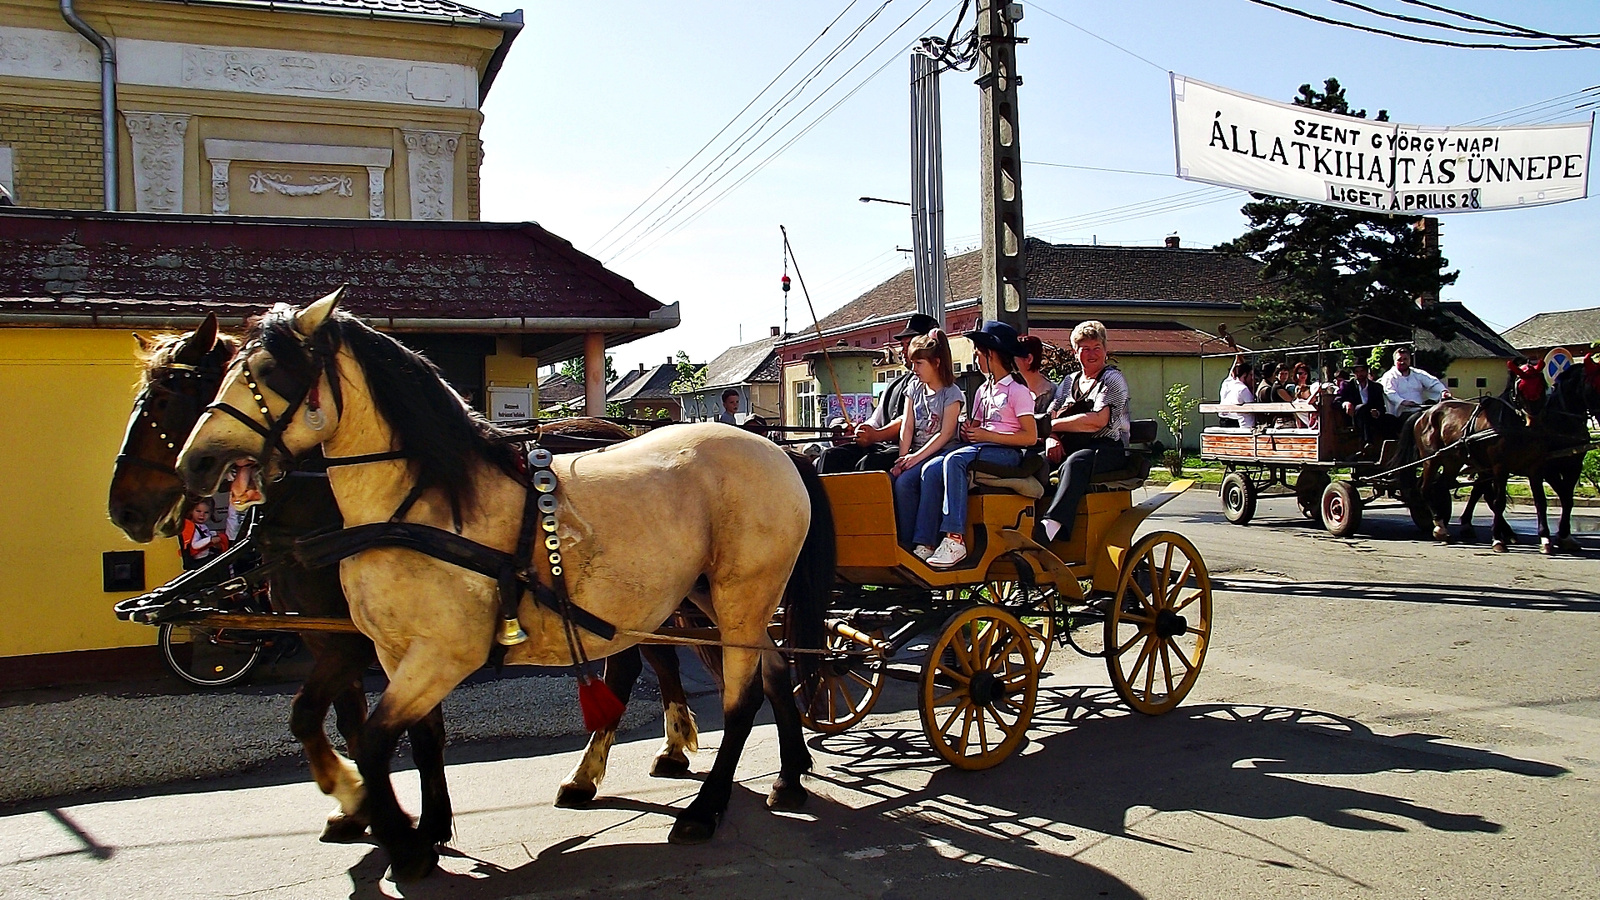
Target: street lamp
881, 200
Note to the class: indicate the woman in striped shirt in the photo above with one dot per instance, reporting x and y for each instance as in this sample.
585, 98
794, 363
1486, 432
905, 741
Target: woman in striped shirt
1090, 419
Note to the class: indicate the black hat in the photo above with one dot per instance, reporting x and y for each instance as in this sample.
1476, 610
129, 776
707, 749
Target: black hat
920, 324
1359, 364
996, 335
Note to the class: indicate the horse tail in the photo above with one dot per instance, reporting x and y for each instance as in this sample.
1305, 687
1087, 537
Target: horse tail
805, 599
1408, 450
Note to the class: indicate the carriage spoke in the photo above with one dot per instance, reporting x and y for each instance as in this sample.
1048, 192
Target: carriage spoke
1144, 599
1131, 641
983, 732
1138, 661
1150, 670
966, 729
950, 719
867, 683
1176, 587
1166, 573
954, 696
1166, 666
1187, 665
1192, 598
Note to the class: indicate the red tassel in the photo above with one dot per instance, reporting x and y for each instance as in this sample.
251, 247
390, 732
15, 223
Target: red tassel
601, 708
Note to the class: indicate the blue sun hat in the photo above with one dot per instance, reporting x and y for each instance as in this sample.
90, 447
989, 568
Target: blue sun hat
996, 336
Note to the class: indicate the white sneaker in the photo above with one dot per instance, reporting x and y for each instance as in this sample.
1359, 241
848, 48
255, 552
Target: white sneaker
950, 552
922, 552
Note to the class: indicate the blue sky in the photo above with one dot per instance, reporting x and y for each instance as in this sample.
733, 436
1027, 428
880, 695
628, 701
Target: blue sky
599, 104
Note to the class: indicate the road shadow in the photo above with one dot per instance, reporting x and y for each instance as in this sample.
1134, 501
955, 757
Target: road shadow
1486, 596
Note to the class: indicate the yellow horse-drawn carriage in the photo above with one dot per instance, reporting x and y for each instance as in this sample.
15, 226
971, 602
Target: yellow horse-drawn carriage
998, 615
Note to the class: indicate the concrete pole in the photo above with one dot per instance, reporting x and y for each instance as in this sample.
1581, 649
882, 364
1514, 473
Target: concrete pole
1005, 294
594, 373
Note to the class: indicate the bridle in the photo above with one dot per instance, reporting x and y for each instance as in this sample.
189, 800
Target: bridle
298, 391
181, 413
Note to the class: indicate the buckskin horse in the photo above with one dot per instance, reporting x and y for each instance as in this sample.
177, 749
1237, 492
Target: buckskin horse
705, 511
180, 376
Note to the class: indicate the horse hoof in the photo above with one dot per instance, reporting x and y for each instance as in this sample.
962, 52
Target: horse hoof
439, 832
1467, 536
1441, 534
343, 829
572, 796
413, 866
692, 827
669, 767
1498, 546
1546, 548
786, 796
1568, 545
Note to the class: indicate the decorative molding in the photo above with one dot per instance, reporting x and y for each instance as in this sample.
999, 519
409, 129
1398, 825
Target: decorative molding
158, 151
63, 55
283, 183
376, 160
431, 163
220, 199
375, 204
38, 53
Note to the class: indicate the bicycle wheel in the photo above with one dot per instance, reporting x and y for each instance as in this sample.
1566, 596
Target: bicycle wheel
209, 657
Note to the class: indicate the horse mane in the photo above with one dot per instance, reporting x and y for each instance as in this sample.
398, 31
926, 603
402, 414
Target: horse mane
439, 433
155, 357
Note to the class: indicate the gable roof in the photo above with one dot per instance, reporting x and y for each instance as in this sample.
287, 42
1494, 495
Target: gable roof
98, 269
558, 388
1080, 273
1473, 339
745, 364
1571, 328
654, 384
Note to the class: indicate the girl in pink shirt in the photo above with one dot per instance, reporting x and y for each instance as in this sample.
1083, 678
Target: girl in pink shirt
1000, 428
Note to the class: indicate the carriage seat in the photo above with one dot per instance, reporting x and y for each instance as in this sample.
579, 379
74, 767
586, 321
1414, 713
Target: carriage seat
1141, 434
1023, 478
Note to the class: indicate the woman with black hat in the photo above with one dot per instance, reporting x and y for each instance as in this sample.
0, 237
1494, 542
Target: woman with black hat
1000, 428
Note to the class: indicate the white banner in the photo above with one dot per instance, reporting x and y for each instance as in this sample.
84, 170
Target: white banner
1235, 140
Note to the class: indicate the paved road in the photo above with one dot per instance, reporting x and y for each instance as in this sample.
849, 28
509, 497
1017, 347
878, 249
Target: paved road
1378, 717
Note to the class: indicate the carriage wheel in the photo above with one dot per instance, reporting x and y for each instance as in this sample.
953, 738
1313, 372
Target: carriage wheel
1308, 488
1341, 509
209, 657
1238, 498
1159, 623
1421, 514
841, 690
979, 687
1035, 607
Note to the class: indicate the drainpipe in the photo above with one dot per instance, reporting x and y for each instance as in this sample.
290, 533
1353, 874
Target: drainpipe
108, 99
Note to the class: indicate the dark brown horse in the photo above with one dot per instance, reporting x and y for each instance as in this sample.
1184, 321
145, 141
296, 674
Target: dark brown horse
1492, 437
147, 499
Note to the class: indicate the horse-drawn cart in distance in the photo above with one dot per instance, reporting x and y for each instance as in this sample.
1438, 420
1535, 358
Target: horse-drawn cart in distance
1305, 460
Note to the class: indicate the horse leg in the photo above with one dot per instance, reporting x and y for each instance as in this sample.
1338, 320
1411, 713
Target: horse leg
741, 698
1500, 530
1536, 485
1467, 534
427, 747
1566, 486
1436, 492
334, 681
682, 734
416, 686
621, 671
794, 759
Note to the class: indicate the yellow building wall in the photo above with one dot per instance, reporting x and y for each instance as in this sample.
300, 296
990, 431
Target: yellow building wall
1466, 372
66, 394
508, 367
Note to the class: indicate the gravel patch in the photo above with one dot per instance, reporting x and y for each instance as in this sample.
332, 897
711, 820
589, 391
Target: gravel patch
100, 742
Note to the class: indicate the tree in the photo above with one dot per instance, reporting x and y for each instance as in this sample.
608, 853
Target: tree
573, 369
1180, 406
1352, 274
691, 375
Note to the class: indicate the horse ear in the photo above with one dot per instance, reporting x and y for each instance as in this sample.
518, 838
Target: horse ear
308, 320
142, 341
197, 345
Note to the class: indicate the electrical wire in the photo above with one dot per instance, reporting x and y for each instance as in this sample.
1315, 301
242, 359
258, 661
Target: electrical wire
692, 216
1510, 31
1419, 39
1532, 109
1102, 40
1036, 162
1570, 38
724, 128
738, 142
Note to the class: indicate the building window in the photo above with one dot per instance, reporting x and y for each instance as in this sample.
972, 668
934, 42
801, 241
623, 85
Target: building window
6, 172
1454, 382
805, 405
1482, 382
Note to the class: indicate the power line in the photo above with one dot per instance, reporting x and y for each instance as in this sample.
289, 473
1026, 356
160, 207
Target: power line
1419, 39
1508, 31
703, 188
1108, 42
1569, 38
1036, 162
1528, 109
724, 128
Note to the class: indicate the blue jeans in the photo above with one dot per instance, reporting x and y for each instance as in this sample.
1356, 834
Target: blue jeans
908, 502
942, 502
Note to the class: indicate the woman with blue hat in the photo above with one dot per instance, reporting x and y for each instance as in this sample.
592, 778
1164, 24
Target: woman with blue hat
1000, 428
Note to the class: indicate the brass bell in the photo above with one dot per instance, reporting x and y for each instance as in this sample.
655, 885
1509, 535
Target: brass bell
511, 633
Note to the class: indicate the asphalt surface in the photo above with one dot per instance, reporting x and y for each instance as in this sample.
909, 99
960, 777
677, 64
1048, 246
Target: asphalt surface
1377, 717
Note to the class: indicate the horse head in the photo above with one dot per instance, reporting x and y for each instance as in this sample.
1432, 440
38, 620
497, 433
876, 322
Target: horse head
180, 376
255, 427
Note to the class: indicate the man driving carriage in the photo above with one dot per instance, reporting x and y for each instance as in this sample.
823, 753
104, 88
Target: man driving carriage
1408, 389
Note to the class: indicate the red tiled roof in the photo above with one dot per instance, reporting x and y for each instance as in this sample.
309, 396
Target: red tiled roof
1143, 339
66, 263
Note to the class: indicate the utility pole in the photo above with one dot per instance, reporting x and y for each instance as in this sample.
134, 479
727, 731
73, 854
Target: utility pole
1005, 289
927, 187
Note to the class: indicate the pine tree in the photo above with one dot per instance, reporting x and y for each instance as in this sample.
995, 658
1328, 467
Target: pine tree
1355, 275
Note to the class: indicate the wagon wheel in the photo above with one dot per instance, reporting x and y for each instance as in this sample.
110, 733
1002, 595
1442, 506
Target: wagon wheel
1035, 607
1159, 619
1308, 488
842, 688
1238, 498
209, 657
1341, 509
978, 687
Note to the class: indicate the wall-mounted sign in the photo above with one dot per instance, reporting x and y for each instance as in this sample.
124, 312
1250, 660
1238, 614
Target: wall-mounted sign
1235, 140
510, 404
856, 407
